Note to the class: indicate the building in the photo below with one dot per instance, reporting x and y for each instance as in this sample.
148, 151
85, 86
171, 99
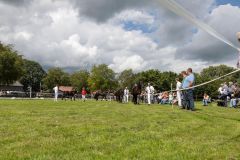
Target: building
67, 92
17, 86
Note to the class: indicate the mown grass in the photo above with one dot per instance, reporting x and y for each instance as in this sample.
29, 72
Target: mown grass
44, 130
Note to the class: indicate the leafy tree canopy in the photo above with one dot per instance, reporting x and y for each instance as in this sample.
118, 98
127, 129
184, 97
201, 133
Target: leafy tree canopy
79, 80
102, 78
10, 64
33, 75
56, 76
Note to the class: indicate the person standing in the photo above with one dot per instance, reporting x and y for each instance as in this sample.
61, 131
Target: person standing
225, 94
235, 98
190, 81
135, 92
150, 93
231, 89
126, 95
184, 92
56, 89
178, 87
84, 93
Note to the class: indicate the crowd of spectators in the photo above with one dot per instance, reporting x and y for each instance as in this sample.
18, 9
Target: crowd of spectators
229, 92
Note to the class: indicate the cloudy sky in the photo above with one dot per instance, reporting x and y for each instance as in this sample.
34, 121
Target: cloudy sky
137, 34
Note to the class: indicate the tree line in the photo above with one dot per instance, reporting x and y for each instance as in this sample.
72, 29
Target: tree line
13, 67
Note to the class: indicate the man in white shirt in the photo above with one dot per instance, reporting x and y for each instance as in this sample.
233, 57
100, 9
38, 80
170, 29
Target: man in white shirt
220, 89
55, 89
223, 90
126, 95
178, 87
150, 93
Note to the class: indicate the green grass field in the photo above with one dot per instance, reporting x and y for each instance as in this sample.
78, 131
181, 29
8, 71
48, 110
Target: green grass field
44, 130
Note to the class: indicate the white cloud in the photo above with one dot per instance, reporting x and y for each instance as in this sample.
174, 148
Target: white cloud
23, 36
57, 33
121, 63
203, 47
134, 16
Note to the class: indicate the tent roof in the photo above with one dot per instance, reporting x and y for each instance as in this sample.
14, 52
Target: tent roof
66, 89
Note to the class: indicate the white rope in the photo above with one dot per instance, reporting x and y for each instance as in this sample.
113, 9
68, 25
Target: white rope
176, 8
181, 11
200, 85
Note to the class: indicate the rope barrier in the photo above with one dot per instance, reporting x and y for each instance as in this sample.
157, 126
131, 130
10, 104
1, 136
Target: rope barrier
205, 83
179, 10
176, 8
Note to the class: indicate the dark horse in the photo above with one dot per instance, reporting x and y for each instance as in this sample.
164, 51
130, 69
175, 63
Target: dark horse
136, 91
119, 95
101, 94
69, 95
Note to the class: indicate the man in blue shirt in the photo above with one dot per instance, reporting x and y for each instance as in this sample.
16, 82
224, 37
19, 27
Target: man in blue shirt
186, 82
190, 80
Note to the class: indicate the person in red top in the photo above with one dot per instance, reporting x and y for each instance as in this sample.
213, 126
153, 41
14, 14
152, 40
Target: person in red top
84, 93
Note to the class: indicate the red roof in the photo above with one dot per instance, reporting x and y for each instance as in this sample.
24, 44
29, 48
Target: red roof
66, 89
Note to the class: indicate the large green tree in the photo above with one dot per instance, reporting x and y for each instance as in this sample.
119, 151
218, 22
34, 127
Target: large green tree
126, 79
102, 78
79, 80
33, 75
160, 80
10, 64
56, 76
213, 72
166, 80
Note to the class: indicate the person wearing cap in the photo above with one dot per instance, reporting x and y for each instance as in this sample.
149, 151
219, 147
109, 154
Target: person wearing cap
126, 95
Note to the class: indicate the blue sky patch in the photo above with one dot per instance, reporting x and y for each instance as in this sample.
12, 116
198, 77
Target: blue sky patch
232, 2
145, 28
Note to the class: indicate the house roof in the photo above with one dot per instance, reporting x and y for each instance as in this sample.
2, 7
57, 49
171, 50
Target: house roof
66, 89
15, 84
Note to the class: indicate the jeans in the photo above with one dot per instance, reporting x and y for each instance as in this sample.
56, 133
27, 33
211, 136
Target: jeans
233, 103
164, 101
189, 99
205, 102
184, 100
